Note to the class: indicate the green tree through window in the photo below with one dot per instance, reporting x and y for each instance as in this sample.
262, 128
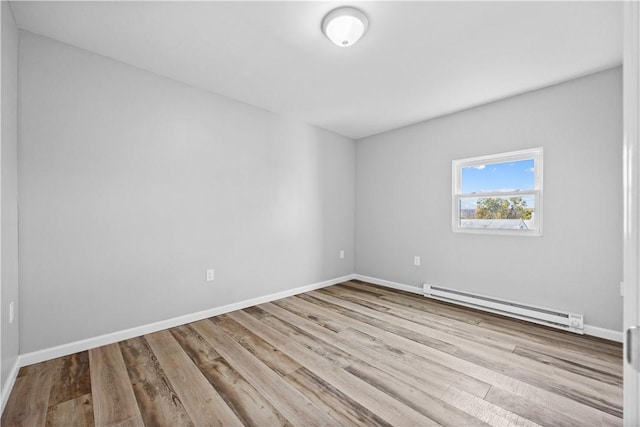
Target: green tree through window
501, 208
498, 193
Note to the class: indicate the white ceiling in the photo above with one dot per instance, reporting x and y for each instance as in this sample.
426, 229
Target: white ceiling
418, 60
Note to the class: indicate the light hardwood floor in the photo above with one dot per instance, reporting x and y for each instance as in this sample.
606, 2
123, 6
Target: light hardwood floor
350, 354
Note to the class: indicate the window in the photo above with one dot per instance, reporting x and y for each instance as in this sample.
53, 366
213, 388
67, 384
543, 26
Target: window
499, 194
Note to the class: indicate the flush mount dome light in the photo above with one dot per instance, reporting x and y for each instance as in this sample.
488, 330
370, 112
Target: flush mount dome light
345, 25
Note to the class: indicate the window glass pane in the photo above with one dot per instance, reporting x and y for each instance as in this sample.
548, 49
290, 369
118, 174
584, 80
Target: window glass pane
499, 177
508, 212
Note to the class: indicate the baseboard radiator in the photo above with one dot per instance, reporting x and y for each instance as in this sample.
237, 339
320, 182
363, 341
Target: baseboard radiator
544, 316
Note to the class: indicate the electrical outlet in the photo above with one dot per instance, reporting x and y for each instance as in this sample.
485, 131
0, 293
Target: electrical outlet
417, 260
210, 275
341, 254
11, 312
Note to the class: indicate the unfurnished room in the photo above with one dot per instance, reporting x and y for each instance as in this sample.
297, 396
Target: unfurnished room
301, 213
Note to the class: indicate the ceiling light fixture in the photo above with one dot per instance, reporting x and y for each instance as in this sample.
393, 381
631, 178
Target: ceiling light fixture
345, 25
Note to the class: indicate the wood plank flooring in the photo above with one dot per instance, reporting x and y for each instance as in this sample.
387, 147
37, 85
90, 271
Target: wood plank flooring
351, 354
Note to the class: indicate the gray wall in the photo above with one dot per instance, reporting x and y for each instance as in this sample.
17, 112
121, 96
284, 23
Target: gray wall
9, 191
403, 206
131, 185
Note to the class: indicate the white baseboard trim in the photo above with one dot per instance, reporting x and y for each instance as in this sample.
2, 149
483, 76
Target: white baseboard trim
388, 284
607, 334
8, 385
89, 343
594, 331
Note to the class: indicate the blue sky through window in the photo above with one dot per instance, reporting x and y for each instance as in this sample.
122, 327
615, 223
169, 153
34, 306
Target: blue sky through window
507, 176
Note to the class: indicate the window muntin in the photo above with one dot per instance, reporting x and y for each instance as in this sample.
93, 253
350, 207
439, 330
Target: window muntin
499, 194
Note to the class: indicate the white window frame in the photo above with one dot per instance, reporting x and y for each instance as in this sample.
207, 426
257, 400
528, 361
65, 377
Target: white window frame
458, 165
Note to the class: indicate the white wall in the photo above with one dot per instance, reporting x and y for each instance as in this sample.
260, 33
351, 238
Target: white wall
131, 185
403, 206
9, 213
